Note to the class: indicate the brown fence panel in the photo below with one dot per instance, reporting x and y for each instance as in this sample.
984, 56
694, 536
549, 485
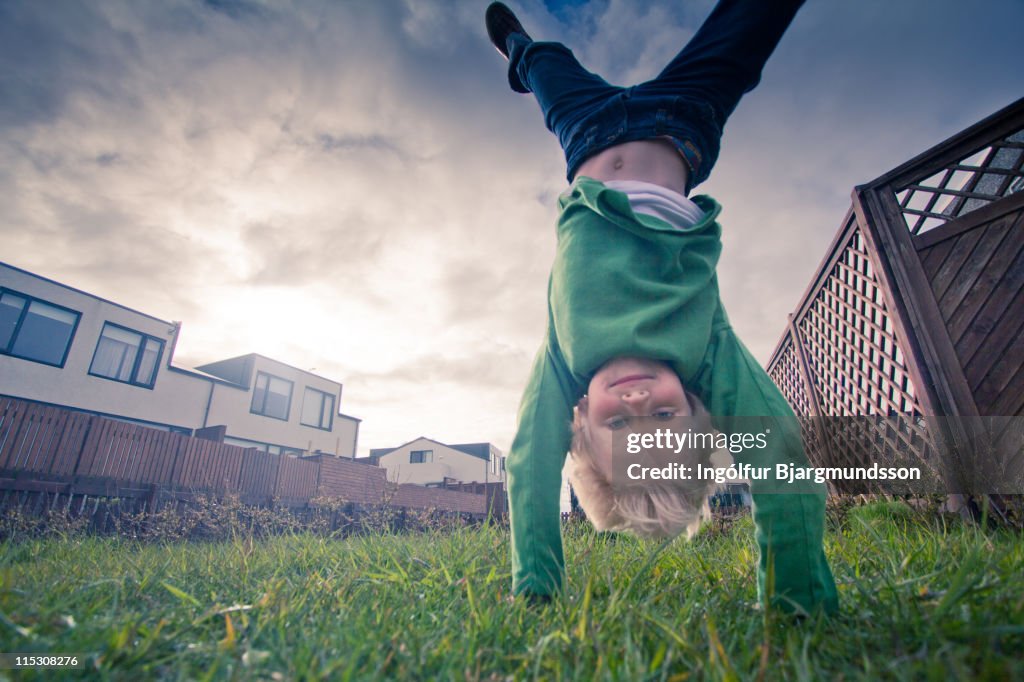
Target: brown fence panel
187, 474
72, 441
917, 307
47, 450
259, 475
208, 465
118, 447
29, 435
297, 478
976, 270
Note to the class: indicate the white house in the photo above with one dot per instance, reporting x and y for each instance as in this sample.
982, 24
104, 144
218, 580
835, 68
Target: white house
266, 401
66, 347
428, 462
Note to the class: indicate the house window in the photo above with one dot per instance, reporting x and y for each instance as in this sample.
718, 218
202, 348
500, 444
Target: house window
318, 409
272, 396
35, 330
126, 355
421, 456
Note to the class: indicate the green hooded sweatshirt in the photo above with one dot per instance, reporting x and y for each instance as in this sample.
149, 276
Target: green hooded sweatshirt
626, 284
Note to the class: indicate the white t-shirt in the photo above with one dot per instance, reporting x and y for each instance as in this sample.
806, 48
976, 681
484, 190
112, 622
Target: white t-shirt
658, 201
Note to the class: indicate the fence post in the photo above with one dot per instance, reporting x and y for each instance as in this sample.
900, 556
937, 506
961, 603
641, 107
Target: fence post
81, 451
931, 359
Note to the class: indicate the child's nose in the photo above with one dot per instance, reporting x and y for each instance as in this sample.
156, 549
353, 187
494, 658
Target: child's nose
635, 397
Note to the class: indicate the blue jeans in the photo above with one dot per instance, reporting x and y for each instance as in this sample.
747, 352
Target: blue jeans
688, 102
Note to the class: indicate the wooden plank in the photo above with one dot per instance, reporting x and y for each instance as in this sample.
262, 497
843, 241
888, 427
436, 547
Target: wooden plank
88, 456
93, 457
226, 458
153, 448
985, 214
34, 452
201, 467
177, 475
164, 464
1003, 356
70, 444
133, 446
24, 433
164, 469
26, 437
1011, 402
957, 261
74, 443
120, 450
8, 412
143, 462
992, 238
174, 453
14, 422
988, 299
220, 462
1000, 308
939, 383
932, 258
35, 456
60, 425
286, 474
136, 437
192, 478
188, 472
179, 445
238, 455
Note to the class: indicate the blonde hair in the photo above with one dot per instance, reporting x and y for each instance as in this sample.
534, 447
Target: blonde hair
656, 509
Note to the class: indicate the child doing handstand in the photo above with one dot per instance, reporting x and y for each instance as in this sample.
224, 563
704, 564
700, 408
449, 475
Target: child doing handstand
636, 327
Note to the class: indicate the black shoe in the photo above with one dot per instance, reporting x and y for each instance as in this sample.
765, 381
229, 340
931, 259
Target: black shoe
501, 23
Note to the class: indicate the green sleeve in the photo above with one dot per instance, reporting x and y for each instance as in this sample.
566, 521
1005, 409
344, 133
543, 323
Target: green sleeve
793, 572
534, 469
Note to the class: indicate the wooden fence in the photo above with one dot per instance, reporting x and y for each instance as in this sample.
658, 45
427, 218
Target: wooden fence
917, 309
48, 450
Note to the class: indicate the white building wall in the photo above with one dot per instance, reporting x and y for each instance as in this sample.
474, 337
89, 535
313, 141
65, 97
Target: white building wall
447, 463
179, 398
232, 407
176, 399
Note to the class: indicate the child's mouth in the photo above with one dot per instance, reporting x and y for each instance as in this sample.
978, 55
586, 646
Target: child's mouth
629, 378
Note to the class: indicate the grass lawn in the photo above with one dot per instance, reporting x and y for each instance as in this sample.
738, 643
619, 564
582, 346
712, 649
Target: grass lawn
920, 599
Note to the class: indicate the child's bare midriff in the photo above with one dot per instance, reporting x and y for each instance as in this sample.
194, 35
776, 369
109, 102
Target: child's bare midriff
656, 161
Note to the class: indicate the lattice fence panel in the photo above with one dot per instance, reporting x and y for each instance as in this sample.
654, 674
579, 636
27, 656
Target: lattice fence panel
964, 186
855, 360
857, 367
786, 375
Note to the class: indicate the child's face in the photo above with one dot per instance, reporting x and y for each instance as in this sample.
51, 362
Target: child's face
629, 387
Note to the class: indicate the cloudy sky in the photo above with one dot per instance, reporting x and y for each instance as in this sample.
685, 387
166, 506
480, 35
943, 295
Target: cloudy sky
349, 186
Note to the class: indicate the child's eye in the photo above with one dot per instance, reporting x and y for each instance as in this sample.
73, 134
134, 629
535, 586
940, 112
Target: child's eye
617, 423
664, 415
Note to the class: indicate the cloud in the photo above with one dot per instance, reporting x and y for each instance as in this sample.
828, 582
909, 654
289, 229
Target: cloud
352, 185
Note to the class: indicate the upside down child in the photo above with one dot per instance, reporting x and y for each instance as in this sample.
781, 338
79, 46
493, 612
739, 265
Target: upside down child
636, 327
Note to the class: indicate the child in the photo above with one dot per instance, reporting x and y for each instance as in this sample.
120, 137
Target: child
635, 325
